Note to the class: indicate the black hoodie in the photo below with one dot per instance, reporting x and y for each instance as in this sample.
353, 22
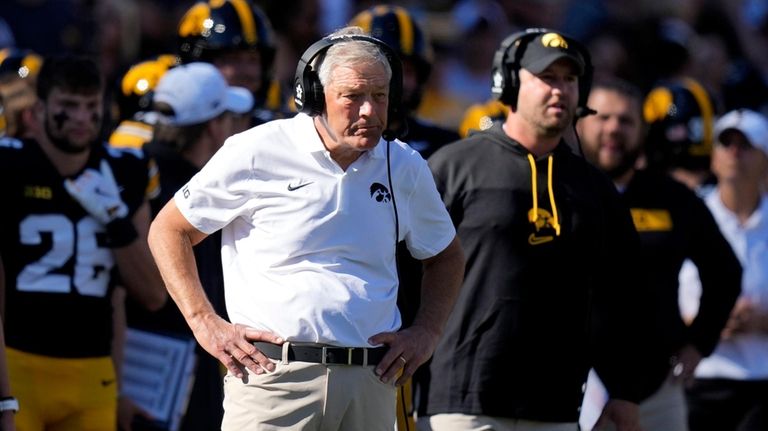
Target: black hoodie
551, 286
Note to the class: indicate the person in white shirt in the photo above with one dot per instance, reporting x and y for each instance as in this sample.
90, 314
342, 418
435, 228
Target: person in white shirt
730, 389
310, 209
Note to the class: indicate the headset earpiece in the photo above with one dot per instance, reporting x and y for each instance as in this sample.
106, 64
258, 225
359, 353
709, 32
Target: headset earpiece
504, 74
308, 91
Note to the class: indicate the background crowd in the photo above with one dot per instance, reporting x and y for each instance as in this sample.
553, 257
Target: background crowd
717, 42
680, 67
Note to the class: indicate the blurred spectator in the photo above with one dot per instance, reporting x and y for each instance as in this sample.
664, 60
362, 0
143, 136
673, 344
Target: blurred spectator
673, 224
297, 26
730, 390
462, 74
118, 39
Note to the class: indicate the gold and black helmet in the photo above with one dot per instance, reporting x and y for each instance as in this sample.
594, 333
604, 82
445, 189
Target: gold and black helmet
19, 63
138, 83
211, 27
680, 117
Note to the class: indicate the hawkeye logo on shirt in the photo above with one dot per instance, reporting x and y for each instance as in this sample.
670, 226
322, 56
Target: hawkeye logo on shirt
380, 193
543, 225
651, 220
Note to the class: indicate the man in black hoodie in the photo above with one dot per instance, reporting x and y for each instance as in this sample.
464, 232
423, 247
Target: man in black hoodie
550, 287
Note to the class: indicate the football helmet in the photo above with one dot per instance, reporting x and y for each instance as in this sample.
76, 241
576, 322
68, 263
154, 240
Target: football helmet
19, 63
211, 29
680, 116
137, 83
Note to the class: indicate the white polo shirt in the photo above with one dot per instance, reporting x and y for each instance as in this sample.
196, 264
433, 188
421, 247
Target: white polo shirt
743, 357
307, 248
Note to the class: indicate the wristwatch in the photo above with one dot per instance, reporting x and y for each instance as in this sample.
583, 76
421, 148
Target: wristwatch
9, 403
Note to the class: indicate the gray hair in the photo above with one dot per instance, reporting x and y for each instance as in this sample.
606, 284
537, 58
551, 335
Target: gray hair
354, 52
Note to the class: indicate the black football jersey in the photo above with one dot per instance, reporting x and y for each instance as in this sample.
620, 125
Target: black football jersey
58, 271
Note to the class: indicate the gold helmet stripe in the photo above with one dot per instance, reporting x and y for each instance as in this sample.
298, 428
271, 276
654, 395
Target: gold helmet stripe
406, 30
192, 21
707, 117
246, 20
143, 77
657, 104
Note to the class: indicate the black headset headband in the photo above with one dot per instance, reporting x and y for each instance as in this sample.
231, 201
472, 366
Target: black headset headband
308, 90
505, 71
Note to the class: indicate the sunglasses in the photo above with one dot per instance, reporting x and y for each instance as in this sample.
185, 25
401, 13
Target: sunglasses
737, 139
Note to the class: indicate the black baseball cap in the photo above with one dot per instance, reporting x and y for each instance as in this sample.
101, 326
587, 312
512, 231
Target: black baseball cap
547, 48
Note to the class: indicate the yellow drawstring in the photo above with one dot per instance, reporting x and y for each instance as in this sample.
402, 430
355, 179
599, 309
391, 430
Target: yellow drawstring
555, 221
533, 216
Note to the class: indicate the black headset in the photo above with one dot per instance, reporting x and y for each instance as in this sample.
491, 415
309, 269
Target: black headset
505, 72
308, 91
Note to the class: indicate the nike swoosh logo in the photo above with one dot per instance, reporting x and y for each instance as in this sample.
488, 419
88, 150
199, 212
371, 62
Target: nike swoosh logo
291, 187
107, 382
536, 240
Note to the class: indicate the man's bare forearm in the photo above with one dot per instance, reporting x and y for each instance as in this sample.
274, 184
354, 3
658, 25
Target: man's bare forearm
171, 239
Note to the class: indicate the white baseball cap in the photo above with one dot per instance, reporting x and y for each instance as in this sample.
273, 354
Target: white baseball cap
752, 124
197, 92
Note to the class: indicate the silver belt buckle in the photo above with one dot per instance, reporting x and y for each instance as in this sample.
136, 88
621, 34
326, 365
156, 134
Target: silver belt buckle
323, 353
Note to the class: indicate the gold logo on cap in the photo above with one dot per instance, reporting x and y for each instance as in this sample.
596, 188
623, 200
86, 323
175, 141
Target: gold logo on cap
554, 40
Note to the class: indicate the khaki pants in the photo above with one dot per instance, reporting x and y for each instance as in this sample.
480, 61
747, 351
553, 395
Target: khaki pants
309, 396
462, 422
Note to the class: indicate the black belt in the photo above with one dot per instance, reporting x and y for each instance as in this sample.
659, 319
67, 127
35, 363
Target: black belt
325, 354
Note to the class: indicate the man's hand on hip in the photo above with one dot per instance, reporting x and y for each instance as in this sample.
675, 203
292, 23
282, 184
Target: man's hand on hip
408, 349
232, 344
